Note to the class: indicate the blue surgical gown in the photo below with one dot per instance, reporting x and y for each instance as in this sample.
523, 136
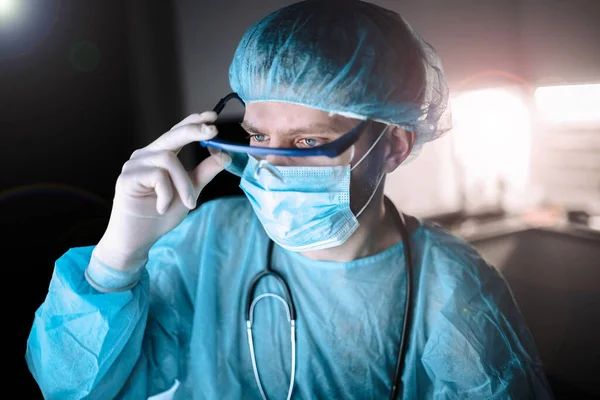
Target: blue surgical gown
185, 321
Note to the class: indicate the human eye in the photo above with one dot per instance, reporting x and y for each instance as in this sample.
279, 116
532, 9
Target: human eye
309, 142
258, 137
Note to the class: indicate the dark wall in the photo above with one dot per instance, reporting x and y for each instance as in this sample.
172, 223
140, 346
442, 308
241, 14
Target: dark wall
65, 103
82, 85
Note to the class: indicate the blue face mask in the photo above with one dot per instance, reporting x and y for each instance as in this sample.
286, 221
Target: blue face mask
301, 210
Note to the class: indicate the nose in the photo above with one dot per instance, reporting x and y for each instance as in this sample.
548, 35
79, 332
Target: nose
281, 161
265, 166
277, 142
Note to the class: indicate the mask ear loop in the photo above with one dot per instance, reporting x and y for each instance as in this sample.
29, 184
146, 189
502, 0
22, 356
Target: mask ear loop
378, 180
370, 197
370, 148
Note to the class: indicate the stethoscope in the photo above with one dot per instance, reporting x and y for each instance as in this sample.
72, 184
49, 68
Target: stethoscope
288, 304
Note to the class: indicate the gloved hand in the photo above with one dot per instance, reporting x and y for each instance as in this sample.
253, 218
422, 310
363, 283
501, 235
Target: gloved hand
154, 193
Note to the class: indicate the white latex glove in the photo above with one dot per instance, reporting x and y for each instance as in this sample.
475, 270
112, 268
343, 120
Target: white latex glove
154, 193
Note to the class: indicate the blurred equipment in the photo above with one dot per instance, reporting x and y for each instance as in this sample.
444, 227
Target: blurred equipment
566, 148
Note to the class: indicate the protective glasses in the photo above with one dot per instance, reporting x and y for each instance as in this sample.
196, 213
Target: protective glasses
330, 158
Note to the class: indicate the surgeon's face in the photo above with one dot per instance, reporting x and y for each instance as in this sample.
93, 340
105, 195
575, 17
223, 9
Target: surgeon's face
276, 124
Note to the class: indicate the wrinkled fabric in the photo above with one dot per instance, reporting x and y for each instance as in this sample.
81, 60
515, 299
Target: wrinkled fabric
346, 57
185, 321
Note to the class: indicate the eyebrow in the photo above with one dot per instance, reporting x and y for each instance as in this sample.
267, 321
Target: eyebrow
314, 128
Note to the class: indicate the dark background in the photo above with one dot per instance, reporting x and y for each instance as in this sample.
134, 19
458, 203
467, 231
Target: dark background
85, 83
81, 87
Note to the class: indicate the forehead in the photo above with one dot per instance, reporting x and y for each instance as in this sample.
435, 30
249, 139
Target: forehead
277, 116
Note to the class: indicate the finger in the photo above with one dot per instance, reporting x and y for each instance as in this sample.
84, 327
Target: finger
142, 181
175, 139
199, 131
207, 170
164, 191
179, 176
203, 118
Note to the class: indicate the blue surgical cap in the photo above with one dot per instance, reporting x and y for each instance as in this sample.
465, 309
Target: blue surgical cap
345, 57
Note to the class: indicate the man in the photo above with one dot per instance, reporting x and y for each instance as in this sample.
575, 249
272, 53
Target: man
338, 94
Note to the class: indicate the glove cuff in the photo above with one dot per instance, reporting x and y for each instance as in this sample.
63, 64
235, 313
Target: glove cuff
109, 280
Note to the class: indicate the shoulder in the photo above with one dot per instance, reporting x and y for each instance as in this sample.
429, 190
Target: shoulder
478, 340
216, 223
225, 216
455, 260
224, 209
203, 240
467, 287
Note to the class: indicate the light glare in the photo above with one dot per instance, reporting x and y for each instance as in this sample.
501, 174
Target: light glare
8, 8
492, 136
